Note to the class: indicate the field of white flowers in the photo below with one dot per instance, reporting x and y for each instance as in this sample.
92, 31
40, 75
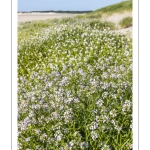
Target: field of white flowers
74, 86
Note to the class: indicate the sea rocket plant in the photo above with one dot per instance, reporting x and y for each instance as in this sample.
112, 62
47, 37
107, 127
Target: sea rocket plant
74, 87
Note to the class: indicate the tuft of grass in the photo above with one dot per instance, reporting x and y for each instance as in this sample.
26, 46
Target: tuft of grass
67, 20
92, 15
102, 25
36, 24
126, 22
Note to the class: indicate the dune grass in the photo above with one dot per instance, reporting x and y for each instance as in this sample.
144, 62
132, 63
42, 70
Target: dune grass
126, 22
89, 15
115, 8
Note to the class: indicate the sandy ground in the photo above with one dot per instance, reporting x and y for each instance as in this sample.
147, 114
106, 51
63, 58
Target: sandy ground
129, 29
116, 19
24, 17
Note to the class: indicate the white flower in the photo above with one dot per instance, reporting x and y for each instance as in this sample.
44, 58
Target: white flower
55, 115
94, 135
99, 103
113, 113
104, 75
71, 143
106, 147
105, 85
93, 126
27, 139
64, 81
81, 71
126, 106
84, 145
118, 128
58, 135
105, 118
104, 95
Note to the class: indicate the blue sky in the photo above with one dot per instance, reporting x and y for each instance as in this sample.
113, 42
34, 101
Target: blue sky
71, 5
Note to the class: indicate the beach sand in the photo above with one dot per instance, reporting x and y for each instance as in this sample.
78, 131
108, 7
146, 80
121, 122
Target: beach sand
24, 17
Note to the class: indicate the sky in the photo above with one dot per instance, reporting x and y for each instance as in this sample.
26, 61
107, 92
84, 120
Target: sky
66, 5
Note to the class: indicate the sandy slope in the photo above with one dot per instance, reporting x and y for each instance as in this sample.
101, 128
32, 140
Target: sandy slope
116, 18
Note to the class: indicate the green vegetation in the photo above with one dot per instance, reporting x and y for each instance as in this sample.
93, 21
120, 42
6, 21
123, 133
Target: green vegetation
126, 22
31, 28
74, 85
91, 15
115, 8
101, 25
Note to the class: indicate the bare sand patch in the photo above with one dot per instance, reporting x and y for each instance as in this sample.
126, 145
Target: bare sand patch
116, 18
24, 17
126, 30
